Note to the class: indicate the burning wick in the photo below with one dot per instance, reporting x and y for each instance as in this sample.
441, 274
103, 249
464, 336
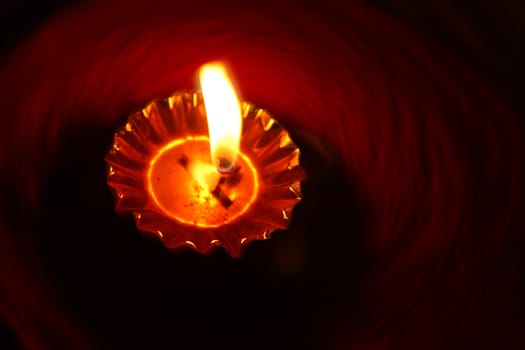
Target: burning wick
225, 166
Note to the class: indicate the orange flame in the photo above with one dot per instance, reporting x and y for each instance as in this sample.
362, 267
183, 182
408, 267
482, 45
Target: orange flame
223, 113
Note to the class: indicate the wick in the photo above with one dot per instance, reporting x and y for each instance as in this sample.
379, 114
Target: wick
226, 166
218, 193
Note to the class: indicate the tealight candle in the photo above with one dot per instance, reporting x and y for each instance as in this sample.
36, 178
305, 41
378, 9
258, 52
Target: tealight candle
203, 170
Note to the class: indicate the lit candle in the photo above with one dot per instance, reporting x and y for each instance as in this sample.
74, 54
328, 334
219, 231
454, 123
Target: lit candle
204, 169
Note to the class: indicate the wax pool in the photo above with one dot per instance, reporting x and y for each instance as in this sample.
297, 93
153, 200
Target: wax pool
187, 187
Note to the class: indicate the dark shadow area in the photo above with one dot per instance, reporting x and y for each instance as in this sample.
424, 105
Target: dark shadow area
490, 34
129, 291
8, 339
18, 19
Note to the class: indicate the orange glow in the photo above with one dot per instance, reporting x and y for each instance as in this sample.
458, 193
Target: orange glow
223, 113
205, 174
183, 192
167, 179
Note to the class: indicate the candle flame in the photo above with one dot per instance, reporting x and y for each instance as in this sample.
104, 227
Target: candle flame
223, 114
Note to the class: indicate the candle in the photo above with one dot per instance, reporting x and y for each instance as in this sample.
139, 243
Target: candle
203, 169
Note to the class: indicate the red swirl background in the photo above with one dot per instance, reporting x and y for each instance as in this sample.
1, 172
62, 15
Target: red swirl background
410, 233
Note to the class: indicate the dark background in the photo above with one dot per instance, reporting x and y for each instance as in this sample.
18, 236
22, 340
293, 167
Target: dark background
489, 33
286, 292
